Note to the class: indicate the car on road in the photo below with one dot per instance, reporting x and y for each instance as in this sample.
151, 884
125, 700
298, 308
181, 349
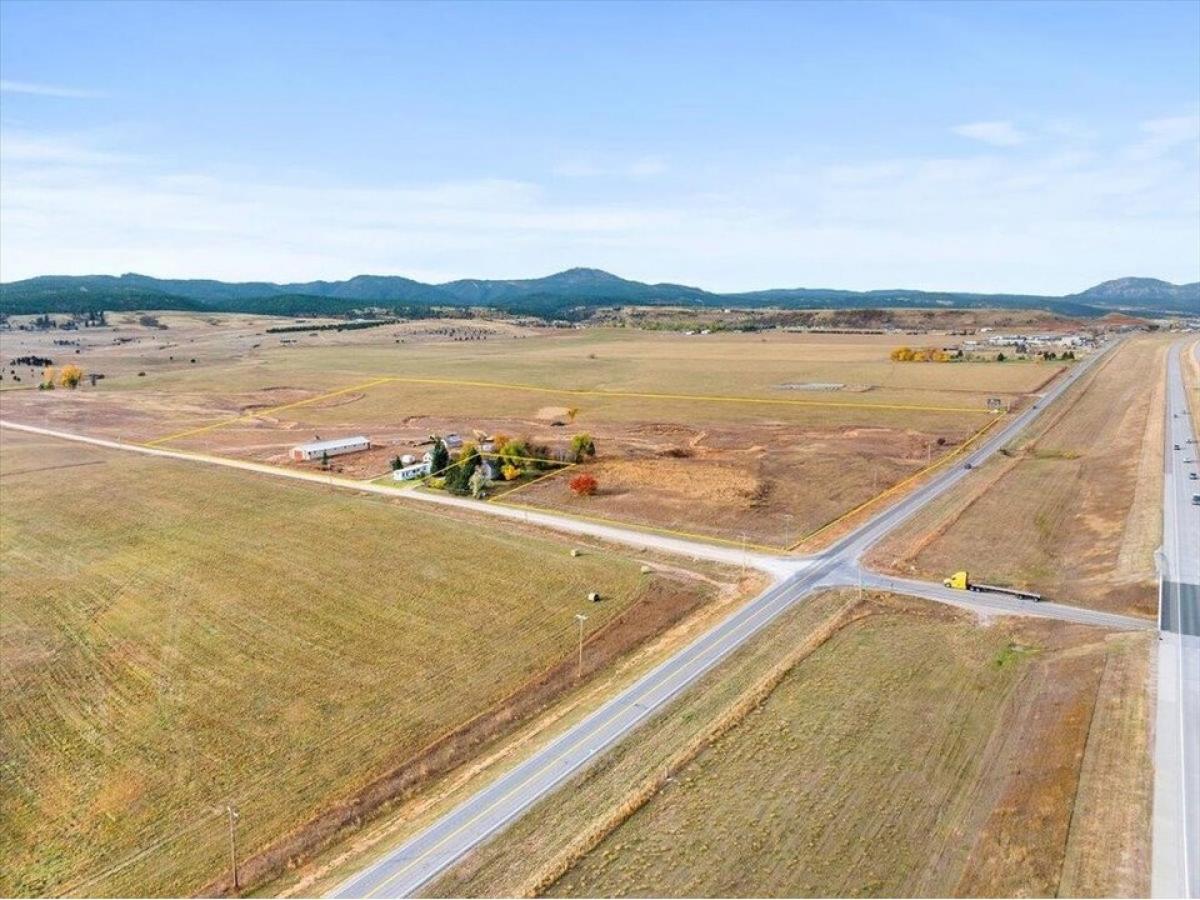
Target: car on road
1195, 499
1177, 447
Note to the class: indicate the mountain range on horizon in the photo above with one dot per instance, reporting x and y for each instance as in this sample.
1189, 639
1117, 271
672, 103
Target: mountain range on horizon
571, 291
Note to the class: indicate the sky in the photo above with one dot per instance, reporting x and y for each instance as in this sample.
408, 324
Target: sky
1025, 147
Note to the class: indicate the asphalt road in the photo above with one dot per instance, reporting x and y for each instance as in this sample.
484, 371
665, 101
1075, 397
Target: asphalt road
1175, 866
403, 870
994, 604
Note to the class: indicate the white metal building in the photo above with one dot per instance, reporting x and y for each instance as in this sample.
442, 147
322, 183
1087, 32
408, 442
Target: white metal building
335, 447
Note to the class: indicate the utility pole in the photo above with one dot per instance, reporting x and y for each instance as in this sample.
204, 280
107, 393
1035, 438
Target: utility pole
580, 618
743, 554
233, 817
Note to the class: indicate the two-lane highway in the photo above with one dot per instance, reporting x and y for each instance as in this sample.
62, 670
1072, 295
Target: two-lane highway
402, 871
1176, 857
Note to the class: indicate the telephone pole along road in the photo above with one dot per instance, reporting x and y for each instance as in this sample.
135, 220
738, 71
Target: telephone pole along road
403, 870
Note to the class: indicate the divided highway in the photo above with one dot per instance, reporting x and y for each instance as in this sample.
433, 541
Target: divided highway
1175, 869
403, 870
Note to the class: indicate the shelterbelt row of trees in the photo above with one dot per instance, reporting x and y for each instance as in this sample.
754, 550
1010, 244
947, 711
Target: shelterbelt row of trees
934, 354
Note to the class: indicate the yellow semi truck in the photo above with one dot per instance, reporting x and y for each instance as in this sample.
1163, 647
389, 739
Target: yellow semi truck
961, 581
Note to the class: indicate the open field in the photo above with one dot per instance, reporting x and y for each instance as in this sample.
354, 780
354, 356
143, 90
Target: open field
903, 319
1073, 509
884, 747
690, 436
177, 638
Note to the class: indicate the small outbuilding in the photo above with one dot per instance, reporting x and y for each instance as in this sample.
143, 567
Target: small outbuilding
335, 447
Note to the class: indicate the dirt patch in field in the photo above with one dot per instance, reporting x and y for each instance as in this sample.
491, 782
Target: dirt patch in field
769, 484
690, 480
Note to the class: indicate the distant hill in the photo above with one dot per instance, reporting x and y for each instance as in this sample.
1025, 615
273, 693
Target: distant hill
570, 294
1135, 293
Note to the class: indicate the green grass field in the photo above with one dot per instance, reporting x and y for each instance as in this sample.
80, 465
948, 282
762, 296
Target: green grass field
177, 637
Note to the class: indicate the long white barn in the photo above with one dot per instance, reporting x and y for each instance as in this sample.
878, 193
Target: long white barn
335, 447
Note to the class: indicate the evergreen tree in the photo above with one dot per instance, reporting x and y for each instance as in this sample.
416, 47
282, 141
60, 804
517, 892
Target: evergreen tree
439, 458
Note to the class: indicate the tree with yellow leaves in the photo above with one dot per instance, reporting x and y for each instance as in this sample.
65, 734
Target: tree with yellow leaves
70, 376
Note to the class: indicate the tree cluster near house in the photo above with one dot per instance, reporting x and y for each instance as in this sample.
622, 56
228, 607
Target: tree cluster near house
474, 469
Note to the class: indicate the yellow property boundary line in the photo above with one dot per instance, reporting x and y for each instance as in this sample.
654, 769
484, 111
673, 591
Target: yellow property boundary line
564, 466
635, 526
706, 398
263, 412
572, 392
643, 395
958, 451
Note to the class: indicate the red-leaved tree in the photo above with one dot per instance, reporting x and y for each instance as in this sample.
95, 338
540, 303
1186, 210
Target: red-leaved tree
583, 484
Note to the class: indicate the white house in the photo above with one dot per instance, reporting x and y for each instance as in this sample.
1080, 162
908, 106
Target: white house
408, 473
335, 447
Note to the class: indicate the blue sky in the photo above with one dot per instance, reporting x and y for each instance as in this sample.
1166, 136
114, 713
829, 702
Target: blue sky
1030, 147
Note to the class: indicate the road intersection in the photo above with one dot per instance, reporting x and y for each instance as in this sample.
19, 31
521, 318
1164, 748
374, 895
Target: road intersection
404, 869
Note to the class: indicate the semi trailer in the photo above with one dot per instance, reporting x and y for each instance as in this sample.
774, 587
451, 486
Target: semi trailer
960, 581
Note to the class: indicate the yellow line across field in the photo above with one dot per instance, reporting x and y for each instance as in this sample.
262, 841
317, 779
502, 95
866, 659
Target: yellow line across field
706, 398
264, 412
958, 451
641, 395
634, 526
520, 487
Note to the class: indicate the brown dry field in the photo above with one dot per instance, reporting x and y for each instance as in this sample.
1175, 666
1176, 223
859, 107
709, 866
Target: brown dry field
768, 471
882, 747
1190, 366
176, 637
1073, 510
918, 321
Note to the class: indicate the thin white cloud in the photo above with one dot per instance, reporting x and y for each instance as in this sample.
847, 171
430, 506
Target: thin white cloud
18, 146
647, 166
644, 167
1161, 136
998, 134
47, 90
1052, 220
577, 168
